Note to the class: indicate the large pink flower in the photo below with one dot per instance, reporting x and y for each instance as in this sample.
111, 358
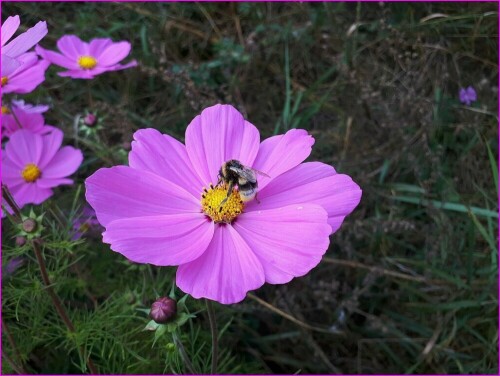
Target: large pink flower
33, 164
15, 118
26, 77
87, 60
159, 210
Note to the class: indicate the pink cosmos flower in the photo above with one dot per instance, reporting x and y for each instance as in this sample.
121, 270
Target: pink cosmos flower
162, 210
87, 60
22, 43
15, 118
32, 165
25, 78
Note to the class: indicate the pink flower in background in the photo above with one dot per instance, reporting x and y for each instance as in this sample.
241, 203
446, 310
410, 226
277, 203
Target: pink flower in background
25, 78
32, 165
21, 44
87, 60
162, 209
15, 118
86, 224
30, 108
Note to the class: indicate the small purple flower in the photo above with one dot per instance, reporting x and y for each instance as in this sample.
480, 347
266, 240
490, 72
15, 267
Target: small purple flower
467, 96
12, 265
87, 60
30, 108
86, 223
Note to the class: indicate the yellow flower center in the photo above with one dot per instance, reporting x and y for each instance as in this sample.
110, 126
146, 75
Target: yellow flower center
87, 62
211, 204
31, 173
5, 79
5, 110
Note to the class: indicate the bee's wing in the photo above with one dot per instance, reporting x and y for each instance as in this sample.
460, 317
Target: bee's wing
260, 173
245, 173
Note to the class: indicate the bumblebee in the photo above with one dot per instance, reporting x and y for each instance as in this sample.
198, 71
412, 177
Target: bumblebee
233, 173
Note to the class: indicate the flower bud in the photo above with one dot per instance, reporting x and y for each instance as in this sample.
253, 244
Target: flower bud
163, 310
89, 120
29, 225
20, 241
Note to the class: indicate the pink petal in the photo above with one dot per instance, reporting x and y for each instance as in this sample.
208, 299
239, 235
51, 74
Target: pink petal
26, 40
29, 193
315, 183
65, 162
20, 119
98, 45
160, 240
51, 144
24, 147
84, 73
27, 107
24, 81
118, 67
113, 54
166, 157
289, 241
9, 27
9, 65
11, 173
217, 135
280, 153
52, 182
225, 272
72, 46
57, 58
124, 192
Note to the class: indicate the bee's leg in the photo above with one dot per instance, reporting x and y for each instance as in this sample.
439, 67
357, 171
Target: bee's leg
256, 199
229, 191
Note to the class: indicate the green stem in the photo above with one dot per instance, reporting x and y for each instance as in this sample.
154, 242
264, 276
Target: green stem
213, 330
183, 353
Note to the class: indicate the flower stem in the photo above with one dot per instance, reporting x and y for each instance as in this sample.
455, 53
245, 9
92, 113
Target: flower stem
13, 365
55, 299
213, 330
183, 353
7, 196
20, 367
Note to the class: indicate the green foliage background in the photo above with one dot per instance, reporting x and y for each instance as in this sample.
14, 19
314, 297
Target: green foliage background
409, 284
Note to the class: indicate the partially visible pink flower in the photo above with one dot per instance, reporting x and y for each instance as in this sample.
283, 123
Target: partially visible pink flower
26, 77
86, 224
23, 42
32, 165
87, 60
14, 119
30, 108
163, 211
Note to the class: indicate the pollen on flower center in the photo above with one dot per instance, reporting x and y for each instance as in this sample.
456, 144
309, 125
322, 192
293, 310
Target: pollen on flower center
31, 173
5, 110
87, 62
5, 79
211, 204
